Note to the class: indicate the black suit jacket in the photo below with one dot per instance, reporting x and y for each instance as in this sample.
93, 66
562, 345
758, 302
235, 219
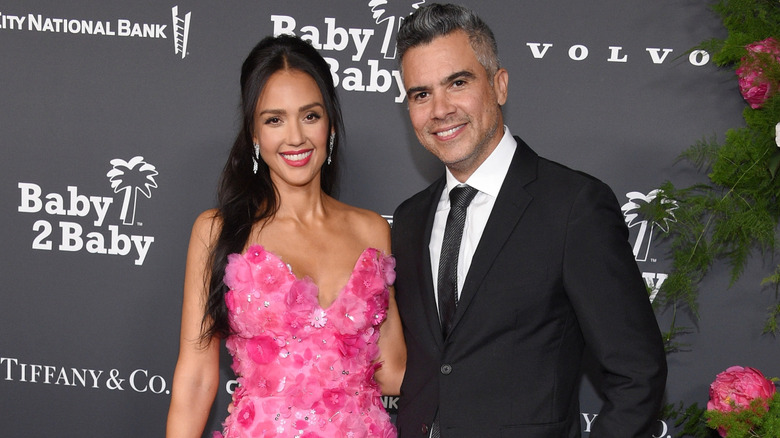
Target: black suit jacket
553, 274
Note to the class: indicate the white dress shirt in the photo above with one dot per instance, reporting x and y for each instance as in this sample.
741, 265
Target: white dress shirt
488, 179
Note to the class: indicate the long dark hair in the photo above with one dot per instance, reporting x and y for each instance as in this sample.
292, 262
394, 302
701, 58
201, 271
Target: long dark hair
244, 197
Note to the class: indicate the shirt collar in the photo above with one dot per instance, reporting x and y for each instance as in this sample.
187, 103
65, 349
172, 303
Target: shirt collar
496, 164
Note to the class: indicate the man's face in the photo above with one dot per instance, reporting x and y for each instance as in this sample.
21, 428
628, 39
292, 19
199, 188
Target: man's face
455, 111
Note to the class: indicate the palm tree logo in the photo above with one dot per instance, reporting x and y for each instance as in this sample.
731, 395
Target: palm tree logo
635, 215
392, 20
133, 177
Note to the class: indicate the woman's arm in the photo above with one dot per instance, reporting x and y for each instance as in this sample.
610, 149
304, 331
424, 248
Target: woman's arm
196, 377
392, 351
392, 348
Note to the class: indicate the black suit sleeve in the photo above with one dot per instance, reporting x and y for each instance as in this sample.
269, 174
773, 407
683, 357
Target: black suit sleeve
611, 302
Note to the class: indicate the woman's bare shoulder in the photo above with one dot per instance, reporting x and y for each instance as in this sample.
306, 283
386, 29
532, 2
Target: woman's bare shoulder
207, 225
369, 226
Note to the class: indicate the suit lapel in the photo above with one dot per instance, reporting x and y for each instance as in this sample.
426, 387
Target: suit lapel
425, 277
510, 204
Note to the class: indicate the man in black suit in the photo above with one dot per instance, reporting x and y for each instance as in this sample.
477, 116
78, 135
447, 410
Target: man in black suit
496, 321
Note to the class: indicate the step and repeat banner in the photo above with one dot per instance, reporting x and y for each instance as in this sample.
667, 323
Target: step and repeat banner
116, 118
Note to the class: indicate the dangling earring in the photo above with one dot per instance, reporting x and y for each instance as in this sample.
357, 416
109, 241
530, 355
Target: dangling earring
256, 158
330, 146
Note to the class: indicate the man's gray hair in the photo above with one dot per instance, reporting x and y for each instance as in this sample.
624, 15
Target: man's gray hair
436, 20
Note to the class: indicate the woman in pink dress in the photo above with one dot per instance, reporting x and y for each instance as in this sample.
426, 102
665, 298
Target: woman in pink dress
298, 283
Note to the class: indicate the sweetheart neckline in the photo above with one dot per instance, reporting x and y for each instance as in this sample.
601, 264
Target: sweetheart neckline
310, 280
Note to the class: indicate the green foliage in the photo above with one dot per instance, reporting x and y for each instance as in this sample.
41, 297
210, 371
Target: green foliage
733, 215
690, 421
736, 213
755, 421
747, 21
774, 316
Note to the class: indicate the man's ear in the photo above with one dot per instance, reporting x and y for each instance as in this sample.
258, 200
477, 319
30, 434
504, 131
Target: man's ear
501, 85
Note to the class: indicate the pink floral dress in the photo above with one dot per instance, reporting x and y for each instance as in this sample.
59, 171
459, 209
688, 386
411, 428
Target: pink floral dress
305, 371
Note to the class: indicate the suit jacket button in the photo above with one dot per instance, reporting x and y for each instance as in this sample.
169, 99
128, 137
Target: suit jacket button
446, 369
424, 429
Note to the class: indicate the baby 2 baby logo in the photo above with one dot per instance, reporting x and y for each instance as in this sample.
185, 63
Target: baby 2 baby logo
60, 229
364, 71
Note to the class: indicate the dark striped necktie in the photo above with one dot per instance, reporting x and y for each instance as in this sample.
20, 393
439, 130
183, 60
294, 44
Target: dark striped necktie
460, 198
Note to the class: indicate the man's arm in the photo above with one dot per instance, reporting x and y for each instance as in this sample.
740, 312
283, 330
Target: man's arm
605, 287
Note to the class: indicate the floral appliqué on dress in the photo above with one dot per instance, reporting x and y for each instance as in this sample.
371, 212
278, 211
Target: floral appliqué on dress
305, 371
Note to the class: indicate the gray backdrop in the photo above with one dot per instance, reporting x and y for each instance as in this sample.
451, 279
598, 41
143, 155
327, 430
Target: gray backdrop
116, 118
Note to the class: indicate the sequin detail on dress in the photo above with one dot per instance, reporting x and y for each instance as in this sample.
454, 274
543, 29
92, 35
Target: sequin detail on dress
305, 371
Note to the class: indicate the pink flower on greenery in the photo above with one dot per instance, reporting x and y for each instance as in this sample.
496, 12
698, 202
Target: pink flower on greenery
736, 387
262, 349
753, 84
